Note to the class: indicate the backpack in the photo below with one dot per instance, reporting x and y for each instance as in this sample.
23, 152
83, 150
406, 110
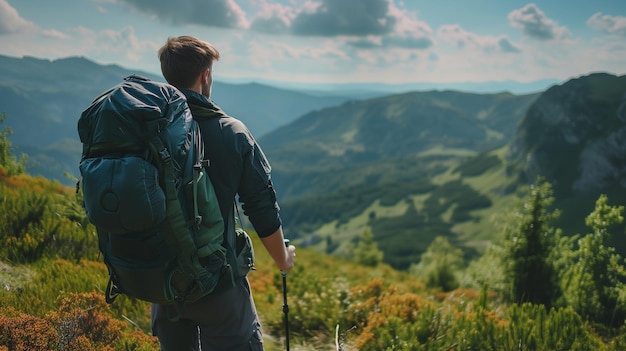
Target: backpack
146, 189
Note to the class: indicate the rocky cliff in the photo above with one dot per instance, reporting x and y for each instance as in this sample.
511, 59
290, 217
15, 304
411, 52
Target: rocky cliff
574, 135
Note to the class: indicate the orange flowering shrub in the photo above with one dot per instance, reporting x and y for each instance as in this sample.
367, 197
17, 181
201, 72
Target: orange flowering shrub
83, 322
85, 315
27, 333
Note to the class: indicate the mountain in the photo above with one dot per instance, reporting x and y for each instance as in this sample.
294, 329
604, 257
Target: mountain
584, 120
409, 166
43, 100
417, 165
372, 89
380, 163
263, 108
351, 140
574, 136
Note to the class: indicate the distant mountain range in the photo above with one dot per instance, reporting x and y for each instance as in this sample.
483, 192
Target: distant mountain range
409, 166
402, 128
43, 100
416, 165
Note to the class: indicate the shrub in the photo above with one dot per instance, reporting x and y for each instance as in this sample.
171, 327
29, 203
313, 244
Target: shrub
23, 332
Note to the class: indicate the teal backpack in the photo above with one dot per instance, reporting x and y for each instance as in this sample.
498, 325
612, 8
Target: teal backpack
146, 189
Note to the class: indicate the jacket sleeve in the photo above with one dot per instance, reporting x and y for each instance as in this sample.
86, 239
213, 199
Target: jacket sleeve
256, 191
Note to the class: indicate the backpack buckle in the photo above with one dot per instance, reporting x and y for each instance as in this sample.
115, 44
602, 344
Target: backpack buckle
202, 164
165, 155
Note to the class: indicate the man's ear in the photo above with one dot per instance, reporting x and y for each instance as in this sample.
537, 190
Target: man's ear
205, 75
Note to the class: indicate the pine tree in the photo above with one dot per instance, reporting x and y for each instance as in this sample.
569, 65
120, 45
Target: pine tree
366, 251
593, 284
439, 265
7, 159
529, 248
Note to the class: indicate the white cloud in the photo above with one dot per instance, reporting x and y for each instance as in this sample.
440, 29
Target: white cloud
209, 13
366, 24
12, 22
273, 18
121, 46
462, 39
345, 17
535, 24
53, 33
409, 32
505, 45
608, 24
270, 58
362, 40
123, 42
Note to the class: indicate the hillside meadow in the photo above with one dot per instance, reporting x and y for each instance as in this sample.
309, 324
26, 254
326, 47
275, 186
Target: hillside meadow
53, 282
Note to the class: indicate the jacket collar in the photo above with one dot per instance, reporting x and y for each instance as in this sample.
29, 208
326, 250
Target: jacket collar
201, 106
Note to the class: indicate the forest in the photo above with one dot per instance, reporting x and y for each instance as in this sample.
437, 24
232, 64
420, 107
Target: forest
538, 289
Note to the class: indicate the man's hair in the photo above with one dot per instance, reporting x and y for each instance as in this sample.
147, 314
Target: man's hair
184, 58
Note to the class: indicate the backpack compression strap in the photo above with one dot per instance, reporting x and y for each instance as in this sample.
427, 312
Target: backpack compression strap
177, 234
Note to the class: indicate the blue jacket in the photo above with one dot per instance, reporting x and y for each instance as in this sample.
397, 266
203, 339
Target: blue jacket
237, 166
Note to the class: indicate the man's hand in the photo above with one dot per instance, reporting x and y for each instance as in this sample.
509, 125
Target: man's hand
275, 245
291, 257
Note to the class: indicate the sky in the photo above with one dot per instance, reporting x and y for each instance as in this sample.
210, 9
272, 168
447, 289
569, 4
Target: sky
334, 41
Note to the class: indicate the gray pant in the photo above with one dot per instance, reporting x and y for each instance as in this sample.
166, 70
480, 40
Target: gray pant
223, 322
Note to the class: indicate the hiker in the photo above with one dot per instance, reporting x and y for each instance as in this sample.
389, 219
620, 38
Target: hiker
224, 320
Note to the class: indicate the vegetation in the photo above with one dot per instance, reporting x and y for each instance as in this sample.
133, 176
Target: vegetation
7, 159
335, 167
529, 252
594, 283
478, 165
439, 265
53, 282
366, 251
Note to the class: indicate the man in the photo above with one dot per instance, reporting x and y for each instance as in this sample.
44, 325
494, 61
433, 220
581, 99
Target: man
227, 320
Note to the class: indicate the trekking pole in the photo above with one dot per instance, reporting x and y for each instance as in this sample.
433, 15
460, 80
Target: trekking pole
285, 305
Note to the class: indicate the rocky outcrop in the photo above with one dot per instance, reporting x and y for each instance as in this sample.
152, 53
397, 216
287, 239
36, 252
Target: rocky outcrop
574, 135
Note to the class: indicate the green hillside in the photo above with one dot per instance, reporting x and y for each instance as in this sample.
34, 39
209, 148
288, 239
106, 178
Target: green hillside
410, 167
53, 282
458, 203
414, 166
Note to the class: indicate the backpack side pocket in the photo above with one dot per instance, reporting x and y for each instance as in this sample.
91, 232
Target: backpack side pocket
245, 253
122, 195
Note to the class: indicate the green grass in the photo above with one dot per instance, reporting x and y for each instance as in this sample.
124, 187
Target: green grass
459, 203
14, 277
